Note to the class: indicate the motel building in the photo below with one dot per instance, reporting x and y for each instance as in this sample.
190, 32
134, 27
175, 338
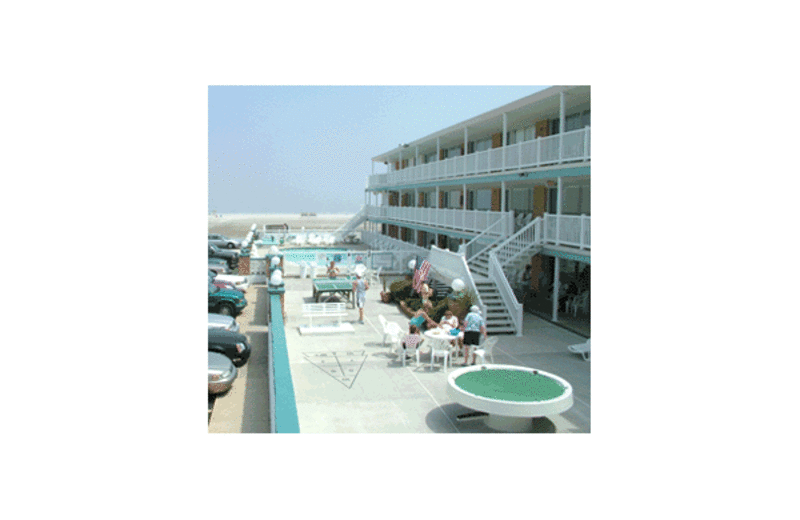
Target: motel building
486, 197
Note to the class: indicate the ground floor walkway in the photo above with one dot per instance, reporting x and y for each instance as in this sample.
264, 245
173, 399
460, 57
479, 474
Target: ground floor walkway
351, 382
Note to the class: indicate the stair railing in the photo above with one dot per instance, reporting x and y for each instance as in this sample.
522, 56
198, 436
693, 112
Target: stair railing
449, 266
512, 306
493, 234
521, 241
351, 224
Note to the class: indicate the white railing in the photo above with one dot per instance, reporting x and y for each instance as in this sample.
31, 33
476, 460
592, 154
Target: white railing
458, 219
574, 145
449, 266
510, 302
521, 241
376, 240
351, 224
483, 241
568, 230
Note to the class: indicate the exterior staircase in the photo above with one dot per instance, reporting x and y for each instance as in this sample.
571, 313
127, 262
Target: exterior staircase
349, 226
498, 320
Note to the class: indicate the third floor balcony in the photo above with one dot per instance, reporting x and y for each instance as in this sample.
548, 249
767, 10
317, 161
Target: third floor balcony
573, 146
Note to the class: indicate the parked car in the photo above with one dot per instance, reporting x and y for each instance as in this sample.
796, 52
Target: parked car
223, 241
225, 285
223, 301
218, 265
221, 373
240, 282
220, 321
231, 257
232, 344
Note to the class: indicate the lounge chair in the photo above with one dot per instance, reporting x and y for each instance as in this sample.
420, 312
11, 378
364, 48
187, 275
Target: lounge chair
583, 349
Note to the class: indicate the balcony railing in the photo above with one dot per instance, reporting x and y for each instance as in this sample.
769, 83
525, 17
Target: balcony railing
543, 151
471, 221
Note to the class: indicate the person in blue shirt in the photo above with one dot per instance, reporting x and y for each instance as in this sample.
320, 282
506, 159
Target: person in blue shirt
474, 326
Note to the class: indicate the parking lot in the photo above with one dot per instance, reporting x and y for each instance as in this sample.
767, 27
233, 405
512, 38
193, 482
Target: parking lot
245, 407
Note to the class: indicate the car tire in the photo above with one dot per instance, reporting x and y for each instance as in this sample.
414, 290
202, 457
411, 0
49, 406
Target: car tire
225, 309
231, 245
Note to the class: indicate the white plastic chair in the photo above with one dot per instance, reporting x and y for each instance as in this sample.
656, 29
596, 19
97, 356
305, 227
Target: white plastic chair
584, 349
393, 332
384, 324
485, 349
442, 349
582, 301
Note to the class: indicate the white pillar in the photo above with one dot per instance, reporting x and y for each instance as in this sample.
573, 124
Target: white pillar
438, 154
503, 206
505, 138
558, 211
562, 125
555, 288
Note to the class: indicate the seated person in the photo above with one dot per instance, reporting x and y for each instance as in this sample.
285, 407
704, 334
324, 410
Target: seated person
449, 322
412, 340
333, 270
421, 318
426, 293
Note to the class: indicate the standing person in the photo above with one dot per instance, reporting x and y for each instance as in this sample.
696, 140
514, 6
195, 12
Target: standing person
333, 270
474, 326
360, 287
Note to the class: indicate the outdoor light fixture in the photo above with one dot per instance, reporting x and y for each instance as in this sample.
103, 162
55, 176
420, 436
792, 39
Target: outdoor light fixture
276, 278
412, 264
275, 262
458, 285
273, 250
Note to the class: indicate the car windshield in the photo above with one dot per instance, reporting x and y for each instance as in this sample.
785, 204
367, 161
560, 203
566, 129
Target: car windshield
213, 248
212, 289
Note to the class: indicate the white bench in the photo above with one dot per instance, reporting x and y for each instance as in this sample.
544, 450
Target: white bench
324, 310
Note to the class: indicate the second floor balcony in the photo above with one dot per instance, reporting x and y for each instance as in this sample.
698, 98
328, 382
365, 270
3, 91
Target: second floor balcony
468, 221
573, 146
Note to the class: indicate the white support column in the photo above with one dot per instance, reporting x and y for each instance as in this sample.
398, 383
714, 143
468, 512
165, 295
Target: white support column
416, 205
505, 138
558, 212
464, 206
562, 125
438, 154
503, 207
556, 280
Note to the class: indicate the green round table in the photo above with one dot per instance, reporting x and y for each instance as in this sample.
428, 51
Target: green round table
509, 396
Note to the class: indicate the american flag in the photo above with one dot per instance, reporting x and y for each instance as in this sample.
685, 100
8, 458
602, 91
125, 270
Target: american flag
421, 274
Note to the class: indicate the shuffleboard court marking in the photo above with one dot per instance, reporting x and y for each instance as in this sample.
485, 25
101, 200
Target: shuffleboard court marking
344, 365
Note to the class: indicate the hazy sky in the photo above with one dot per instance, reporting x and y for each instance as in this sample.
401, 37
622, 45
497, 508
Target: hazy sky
292, 149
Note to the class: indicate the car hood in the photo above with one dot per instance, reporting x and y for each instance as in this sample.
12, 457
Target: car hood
221, 336
219, 362
218, 320
228, 293
232, 278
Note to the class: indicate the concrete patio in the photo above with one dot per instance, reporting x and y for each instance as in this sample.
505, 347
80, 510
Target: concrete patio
351, 382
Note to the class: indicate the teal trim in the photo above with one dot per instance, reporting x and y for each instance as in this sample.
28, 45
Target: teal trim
448, 232
578, 171
285, 413
568, 256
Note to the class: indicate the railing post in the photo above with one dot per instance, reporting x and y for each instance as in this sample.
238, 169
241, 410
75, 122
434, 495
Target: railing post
580, 240
585, 143
538, 151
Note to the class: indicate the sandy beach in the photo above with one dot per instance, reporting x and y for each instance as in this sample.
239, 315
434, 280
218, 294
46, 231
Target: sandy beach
236, 225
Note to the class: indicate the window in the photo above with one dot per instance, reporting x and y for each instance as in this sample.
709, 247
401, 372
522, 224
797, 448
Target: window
573, 122
483, 200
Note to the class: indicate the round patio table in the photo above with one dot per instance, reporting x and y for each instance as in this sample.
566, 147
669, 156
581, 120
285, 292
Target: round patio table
509, 396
